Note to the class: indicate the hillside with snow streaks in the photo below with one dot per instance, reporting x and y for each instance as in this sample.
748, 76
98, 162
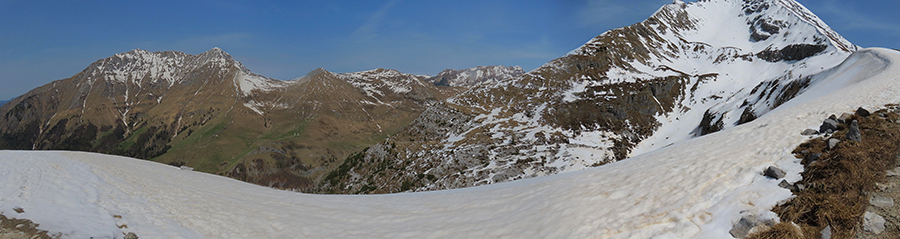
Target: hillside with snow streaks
690, 69
475, 76
676, 192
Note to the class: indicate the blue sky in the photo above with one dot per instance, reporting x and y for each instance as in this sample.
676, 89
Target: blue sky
42, 41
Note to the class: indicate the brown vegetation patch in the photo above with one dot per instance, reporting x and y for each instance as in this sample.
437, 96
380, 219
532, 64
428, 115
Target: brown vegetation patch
836, 183
22, 228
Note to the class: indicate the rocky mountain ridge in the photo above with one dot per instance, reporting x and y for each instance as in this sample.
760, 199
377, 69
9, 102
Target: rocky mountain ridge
475, 76
690, 69
209, 112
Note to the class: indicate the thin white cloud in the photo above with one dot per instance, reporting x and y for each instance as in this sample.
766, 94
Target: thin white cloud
369, 28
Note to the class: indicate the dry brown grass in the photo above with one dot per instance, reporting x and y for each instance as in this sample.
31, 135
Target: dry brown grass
11, 227
783, 230
836, 183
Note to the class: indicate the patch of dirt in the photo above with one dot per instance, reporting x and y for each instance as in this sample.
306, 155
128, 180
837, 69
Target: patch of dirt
13, 228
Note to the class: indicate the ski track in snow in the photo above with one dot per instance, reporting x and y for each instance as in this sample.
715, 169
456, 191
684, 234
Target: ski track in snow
693, 189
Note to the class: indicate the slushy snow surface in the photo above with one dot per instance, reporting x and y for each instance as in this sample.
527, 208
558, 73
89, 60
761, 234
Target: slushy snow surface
693, 189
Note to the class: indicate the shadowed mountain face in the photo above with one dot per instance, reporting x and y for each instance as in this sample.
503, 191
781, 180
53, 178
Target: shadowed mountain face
209, 112
690, 69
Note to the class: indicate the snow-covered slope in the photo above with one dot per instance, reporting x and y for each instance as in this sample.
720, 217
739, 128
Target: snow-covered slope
693, 189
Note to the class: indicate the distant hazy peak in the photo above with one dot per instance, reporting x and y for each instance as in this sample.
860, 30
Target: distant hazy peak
475, 76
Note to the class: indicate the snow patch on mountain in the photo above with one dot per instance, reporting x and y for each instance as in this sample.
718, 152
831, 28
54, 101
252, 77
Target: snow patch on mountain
249, 82
375, 82
138, 65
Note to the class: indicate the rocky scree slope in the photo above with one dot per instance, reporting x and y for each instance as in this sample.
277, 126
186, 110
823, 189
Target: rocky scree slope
209, 112
690, 69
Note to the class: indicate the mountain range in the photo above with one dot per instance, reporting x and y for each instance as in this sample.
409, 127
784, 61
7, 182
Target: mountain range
699, 122
209, 112
689, 70
706, 187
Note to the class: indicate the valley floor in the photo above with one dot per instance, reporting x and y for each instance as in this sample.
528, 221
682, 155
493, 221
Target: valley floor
693, 189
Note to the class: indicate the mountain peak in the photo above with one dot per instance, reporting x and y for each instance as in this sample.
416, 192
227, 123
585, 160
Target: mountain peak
138, 65
313, 73
216, 53
692, 68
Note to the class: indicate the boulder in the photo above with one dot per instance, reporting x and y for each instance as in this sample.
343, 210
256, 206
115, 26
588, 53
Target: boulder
884, 202
862, 112
774, 172
828, 126
893, 172
131, 235
784, 184
844, 118
832, 142
873, 223
808, 132
826, 233
853, 133
742, 227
